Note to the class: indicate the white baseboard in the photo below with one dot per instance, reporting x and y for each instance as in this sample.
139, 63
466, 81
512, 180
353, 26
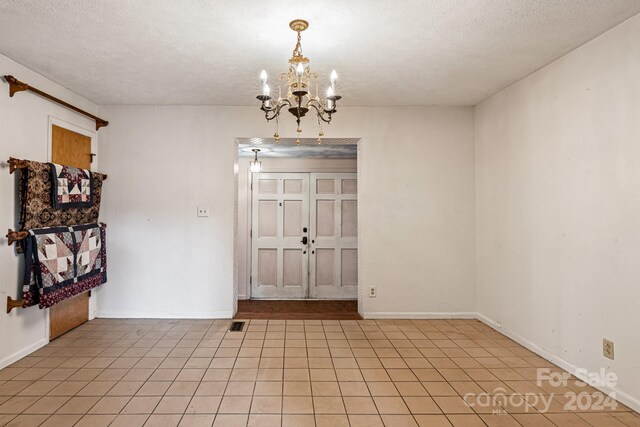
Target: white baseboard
22, 353
165, 315
420, 315
620, 396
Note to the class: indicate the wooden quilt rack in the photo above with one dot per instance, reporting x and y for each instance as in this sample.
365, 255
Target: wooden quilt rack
21, 164
16, 86
13, 236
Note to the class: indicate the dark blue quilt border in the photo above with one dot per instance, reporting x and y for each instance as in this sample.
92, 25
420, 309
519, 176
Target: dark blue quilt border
54, 192
32, 248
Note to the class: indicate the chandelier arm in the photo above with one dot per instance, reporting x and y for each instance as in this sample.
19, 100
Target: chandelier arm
321, 113
275, 110
318, 106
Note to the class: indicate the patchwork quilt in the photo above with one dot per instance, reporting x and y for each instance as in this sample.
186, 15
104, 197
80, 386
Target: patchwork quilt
70, 187
36, 204
61, 262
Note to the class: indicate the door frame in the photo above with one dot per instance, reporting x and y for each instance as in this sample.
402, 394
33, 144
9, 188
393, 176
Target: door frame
247, 197
54, 121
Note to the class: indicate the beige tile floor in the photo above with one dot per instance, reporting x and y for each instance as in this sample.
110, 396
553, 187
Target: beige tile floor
132, 372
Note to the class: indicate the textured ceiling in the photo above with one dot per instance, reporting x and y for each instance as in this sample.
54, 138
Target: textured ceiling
331, 148
387, 52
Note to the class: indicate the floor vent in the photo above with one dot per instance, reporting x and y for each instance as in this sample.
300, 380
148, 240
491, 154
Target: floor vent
236, 326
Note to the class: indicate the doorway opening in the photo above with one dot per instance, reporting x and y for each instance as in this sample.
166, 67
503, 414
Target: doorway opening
297, 228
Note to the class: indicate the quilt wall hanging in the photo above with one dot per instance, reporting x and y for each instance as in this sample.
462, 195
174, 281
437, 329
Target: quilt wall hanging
61, 262
71, 187
54, 195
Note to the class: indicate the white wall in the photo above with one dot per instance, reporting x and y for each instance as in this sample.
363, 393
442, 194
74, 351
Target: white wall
558, 207
24, 127
244, 201
416, 216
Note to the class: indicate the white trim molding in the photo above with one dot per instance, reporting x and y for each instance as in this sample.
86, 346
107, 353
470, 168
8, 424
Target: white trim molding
24, 352
210, 315
620, 396
420, 315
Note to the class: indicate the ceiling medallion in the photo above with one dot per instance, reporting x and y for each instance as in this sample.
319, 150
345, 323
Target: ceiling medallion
299, 100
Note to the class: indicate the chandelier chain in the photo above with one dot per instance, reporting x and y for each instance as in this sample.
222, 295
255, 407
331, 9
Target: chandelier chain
297, 51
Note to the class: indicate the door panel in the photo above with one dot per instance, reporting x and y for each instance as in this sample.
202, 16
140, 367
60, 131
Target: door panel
280, 267
293, 220
349, 218
325, 186
293, 186
325, 217
349, 186
324, 267
349, 265
333, 233
72, 149
268, 218
293, 265
267, 269
268, 186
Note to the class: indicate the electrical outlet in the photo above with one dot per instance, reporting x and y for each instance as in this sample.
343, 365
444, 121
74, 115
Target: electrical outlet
372, 291
607, 348
203, 211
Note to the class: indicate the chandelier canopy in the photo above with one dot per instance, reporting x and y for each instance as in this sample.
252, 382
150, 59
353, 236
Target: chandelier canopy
299, 98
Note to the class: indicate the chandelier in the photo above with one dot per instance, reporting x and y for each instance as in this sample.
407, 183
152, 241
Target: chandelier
299, 98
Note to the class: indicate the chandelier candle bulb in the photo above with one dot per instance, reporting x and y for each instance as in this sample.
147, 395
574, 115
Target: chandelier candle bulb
263, 77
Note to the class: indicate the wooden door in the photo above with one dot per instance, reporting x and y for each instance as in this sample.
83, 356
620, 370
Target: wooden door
71, 149
280, 221
334, 236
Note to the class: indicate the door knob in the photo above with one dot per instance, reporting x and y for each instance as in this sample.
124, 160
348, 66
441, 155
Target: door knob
304, 240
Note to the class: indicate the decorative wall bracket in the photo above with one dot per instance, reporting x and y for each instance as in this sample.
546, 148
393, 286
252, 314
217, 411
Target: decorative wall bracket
14, 303
14, 236
15, 85
16, 164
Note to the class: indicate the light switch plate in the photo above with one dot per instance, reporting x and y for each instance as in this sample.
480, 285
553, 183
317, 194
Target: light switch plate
203, 211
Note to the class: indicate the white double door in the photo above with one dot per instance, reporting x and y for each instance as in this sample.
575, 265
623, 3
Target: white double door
304, 236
